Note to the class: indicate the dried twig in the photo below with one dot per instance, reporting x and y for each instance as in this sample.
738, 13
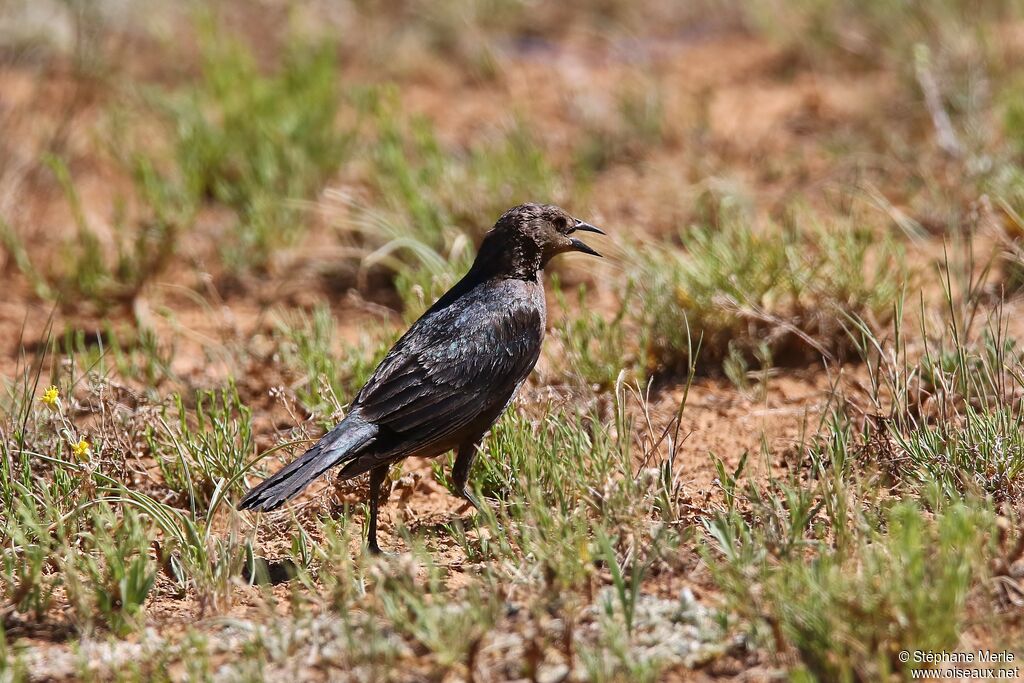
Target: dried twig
945, 135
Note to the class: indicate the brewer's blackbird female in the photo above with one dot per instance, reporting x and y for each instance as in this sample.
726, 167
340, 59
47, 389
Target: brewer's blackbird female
450, 377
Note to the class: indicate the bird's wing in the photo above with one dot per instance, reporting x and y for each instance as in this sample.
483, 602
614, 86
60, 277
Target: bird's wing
450, 368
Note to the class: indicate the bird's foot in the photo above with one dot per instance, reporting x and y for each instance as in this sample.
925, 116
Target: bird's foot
471, 501
374, 550
484, 516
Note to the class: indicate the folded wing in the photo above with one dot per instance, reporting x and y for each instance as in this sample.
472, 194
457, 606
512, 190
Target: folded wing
441, 377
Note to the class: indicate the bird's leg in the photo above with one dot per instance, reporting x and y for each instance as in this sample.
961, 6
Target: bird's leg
377, 476
460, 472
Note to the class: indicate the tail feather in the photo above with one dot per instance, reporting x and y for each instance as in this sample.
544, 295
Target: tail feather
340, 444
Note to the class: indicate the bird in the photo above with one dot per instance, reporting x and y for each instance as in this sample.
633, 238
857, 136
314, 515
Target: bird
448, 379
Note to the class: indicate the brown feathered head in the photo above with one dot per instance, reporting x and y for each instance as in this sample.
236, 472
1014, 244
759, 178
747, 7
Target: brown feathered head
527, 236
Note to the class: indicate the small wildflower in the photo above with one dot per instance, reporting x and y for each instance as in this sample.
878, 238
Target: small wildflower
82, 449
51, 396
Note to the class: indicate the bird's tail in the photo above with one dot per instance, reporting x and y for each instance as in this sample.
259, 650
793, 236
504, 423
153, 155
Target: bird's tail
340, 444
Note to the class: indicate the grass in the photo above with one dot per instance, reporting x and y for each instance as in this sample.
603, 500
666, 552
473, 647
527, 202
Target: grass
86, 275
261, 148
597, 349
770, 444
207, 451
61, 539
99, 562
983, 456
778, 295
845, 575
848, 611
1007, 185
434, 203
421, 615
258, 151
548, 509
951, 430
635, 125
329, 380
819, 30
73, 526
845, 565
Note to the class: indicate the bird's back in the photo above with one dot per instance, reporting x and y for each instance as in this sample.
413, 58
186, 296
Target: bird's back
452, 374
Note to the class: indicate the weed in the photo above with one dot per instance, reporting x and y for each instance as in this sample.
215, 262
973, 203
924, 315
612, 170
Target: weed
205, 458
258, 143
598, 349
329, 379
87, 274
782, 294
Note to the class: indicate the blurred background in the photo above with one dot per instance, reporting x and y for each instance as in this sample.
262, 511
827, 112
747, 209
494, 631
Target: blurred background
161, 160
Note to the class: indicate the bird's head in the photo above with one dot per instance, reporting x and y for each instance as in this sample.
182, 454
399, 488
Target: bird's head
527, 236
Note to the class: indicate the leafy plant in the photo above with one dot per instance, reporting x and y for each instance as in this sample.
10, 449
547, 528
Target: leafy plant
205, 457
598, 349
258, 143
783, 293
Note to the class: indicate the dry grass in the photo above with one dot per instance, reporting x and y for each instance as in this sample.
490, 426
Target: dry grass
774, 434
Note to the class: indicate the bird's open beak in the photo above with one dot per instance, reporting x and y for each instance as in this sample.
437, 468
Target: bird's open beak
577, 245
580, 246
587, 227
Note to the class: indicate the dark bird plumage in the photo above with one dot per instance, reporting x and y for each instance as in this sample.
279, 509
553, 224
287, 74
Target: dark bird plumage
453, 373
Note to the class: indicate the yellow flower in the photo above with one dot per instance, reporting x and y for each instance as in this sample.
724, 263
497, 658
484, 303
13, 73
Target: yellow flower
583, 551
683, 298
82, 449
50, 396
